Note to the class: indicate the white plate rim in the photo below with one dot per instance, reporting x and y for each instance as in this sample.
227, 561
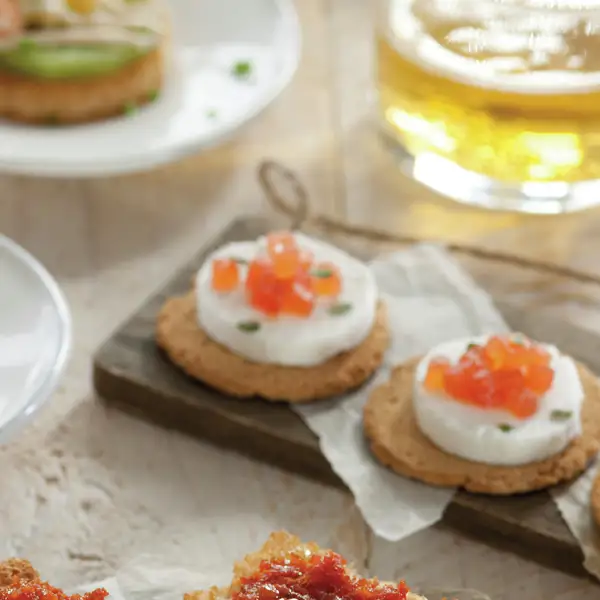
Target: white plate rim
290, 26
44, 390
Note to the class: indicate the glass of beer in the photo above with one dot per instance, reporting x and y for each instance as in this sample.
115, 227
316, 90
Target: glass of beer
494, 103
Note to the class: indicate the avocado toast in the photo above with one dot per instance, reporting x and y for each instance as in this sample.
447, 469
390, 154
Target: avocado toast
74, 61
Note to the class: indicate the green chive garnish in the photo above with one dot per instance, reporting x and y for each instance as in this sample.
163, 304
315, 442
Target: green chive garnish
471, 346
153, 96
211, 113
340, 309
505, 427
322, 273
26, 44
518, 339
242, 69
248, 326
130, 109
561, 415
139, 29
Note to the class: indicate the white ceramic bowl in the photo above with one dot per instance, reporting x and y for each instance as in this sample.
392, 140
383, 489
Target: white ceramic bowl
202, 104
35, 336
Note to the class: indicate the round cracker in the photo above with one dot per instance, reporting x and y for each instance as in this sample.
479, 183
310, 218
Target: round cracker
396, 440
189, 347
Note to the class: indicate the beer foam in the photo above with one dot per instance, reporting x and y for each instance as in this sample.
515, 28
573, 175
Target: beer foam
510, 46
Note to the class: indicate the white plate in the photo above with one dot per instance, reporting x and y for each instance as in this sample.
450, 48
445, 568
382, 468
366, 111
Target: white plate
202, 104
35, 336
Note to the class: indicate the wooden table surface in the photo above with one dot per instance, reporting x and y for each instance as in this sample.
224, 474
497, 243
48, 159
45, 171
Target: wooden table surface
85, 489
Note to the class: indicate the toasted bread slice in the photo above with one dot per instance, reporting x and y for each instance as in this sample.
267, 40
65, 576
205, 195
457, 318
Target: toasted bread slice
279, 545
16, 568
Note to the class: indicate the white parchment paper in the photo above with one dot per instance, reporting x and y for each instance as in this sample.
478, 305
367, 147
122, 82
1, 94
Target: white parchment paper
149, 579
430, 300
573, 501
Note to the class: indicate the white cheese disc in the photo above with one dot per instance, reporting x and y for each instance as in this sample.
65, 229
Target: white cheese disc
496, 437
286, 340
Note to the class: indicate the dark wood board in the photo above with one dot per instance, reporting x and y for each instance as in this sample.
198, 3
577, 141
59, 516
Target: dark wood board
132, 374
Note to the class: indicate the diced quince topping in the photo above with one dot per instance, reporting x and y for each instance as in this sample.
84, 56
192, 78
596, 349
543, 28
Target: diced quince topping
298, 298
282, 281
326, 280
504, 373
434, 379
284, 254
264, 290
225, 275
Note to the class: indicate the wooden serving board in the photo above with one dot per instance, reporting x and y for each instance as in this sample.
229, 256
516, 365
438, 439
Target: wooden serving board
133, 375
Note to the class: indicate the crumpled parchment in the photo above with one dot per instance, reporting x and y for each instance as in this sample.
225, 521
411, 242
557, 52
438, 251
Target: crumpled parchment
430, 300
573, 501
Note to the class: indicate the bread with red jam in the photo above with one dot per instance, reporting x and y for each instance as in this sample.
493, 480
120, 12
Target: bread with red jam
16, 569
316, 571
20, 581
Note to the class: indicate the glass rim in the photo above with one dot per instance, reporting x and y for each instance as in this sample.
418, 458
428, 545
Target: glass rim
534, 6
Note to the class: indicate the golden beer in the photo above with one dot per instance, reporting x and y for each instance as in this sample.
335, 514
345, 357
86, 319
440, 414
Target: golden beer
498, 99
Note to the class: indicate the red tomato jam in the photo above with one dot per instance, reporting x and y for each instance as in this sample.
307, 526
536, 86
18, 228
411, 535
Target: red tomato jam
37, 590
317, 577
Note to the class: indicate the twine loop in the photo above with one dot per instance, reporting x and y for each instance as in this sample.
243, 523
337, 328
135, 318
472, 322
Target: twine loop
295, 205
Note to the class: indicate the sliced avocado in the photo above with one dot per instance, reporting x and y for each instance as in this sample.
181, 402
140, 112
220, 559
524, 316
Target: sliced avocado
69, 61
